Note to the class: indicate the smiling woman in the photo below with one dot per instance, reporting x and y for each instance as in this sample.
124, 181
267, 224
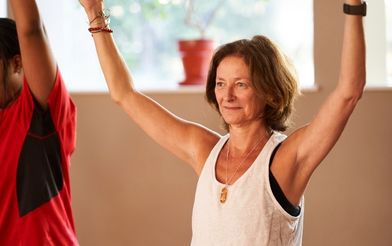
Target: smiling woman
234, 92
252, 179
246, 69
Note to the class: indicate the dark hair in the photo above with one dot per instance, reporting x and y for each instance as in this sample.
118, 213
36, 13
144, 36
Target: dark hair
9, 45
271, 73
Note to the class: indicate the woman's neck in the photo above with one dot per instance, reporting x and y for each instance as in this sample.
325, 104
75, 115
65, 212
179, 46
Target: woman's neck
243, 138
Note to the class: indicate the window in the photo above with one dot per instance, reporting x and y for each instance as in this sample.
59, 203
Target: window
73, 45
378, 28
146, 32
3, 8
388, 5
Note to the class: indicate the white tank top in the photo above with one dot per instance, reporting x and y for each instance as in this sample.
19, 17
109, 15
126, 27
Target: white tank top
251, 215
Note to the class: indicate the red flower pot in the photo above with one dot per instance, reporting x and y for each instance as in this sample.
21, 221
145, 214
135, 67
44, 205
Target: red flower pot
196, 56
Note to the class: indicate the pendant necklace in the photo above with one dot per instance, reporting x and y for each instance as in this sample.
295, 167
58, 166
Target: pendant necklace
224, 190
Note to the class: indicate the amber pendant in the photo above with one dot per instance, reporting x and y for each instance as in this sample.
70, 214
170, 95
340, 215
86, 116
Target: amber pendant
223, 195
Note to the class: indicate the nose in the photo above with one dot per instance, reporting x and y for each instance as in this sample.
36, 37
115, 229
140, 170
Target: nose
229, 94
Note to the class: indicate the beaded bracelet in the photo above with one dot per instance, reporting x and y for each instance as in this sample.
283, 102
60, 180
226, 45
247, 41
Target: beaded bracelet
93, 30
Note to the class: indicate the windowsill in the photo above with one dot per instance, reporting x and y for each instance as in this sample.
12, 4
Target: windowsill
378, 88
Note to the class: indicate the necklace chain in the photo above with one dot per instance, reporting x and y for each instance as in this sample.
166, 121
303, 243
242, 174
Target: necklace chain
224, 191
242, 161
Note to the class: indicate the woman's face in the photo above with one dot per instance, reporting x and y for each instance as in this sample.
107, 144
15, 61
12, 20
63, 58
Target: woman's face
237, 99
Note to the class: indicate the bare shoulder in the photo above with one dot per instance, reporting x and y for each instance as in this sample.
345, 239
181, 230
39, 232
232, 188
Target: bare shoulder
285, 162
284, 154
293, 139
206, 141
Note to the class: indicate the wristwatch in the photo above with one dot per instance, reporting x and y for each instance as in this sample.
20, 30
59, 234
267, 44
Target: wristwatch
355, 9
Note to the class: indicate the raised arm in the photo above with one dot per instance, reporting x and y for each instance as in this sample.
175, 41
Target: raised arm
188, 141
304, 150
38, 63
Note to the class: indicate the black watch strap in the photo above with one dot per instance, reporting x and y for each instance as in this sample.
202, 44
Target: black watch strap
355, 9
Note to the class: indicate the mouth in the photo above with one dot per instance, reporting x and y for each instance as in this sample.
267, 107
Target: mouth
231, 108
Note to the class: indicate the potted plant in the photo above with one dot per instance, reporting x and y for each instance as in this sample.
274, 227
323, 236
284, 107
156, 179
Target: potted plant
196, 53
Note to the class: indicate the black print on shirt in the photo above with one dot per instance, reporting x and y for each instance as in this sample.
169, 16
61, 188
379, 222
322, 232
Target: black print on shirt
39, 174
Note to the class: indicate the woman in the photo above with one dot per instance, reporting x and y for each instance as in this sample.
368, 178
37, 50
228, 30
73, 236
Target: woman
37, 135
252, 180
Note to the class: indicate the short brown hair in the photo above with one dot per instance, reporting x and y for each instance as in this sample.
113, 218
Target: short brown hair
272, 77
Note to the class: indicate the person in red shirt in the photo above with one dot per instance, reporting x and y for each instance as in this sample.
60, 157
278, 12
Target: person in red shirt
37, 135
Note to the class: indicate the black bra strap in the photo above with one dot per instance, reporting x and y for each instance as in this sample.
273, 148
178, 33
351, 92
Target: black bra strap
277, 191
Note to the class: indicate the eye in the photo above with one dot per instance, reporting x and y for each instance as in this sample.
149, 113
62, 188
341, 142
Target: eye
241, 84
219, 84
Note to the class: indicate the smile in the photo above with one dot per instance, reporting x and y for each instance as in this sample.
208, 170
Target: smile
232, 108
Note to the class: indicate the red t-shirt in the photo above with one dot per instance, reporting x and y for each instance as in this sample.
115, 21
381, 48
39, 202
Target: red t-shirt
35, 150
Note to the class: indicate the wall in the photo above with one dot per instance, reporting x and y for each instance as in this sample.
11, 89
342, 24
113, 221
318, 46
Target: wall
129, 191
